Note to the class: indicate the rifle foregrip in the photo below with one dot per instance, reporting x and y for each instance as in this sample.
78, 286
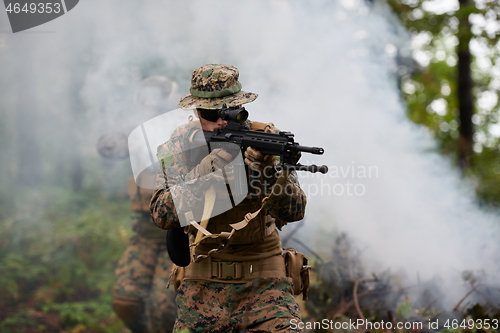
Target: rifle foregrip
314, 168
299, 167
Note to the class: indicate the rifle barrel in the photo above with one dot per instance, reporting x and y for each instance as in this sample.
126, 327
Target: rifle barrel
312, 150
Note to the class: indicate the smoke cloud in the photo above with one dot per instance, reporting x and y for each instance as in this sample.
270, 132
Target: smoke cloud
324, 70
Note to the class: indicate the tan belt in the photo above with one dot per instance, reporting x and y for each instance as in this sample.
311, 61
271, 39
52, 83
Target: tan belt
235, 271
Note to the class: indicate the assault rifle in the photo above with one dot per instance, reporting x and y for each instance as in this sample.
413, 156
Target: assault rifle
281, 144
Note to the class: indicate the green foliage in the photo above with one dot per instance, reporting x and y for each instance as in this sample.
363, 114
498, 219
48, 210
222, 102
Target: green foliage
429, 86
89, 314
487, 169
21, 318
58, 251
404, 309
431, 91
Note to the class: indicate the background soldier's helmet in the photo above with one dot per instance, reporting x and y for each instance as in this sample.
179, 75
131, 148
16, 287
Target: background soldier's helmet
157, 94
214, 85
113, 145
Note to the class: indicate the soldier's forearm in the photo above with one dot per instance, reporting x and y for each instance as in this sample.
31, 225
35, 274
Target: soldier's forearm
287, 201
291, 211
163, 210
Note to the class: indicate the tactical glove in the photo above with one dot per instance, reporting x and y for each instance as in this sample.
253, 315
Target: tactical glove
198, 179
217, 159
258, 161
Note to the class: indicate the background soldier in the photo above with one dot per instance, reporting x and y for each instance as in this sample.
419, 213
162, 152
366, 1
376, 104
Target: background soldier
141, 299
242, 284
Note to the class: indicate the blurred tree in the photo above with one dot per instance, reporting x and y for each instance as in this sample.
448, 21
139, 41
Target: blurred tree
464, 89
76, 110
455, 92
27, 120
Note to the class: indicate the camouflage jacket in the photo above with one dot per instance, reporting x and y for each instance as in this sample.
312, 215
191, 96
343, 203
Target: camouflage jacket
288, 207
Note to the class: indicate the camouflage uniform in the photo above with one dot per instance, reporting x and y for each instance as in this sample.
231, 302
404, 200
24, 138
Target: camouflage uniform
141, 299
256, 301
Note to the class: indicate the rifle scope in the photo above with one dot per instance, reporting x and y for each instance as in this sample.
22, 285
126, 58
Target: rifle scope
232, 113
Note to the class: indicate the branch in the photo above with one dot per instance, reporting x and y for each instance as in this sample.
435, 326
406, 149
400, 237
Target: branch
355, 299
463, 298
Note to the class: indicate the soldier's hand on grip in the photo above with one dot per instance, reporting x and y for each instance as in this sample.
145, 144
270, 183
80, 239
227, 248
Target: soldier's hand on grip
297, 158
258, 161
217, 159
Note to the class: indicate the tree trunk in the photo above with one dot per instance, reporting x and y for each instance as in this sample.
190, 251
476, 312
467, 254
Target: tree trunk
465, 85
27, 119
75, 138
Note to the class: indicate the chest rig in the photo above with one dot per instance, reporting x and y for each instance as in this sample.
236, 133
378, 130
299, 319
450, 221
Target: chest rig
259, 227
246, 223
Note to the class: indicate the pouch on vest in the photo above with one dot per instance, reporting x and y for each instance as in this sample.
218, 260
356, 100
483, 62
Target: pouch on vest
297, 268
176, 277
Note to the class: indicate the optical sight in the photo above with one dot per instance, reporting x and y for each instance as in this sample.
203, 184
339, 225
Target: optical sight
234, 113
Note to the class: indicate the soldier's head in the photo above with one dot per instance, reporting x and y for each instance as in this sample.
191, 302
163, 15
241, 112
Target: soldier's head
156, 94
214, 86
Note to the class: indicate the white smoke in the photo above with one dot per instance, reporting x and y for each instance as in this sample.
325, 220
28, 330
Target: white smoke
323, 70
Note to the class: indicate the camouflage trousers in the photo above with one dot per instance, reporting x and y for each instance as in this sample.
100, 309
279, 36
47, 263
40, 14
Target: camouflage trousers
142, 274
262, 305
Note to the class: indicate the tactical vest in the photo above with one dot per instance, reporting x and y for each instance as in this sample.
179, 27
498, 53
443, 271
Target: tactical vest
254, 232
224, 267
257, 229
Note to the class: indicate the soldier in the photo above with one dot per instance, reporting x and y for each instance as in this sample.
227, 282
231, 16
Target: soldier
141, 299
240, 283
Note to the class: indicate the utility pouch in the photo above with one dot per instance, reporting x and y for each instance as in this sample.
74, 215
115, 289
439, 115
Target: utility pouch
176, 277
297, 268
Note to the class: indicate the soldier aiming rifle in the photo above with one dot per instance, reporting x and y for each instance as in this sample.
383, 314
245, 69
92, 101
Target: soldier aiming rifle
235, 275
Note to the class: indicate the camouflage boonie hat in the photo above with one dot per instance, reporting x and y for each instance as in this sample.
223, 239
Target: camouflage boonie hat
214, 85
